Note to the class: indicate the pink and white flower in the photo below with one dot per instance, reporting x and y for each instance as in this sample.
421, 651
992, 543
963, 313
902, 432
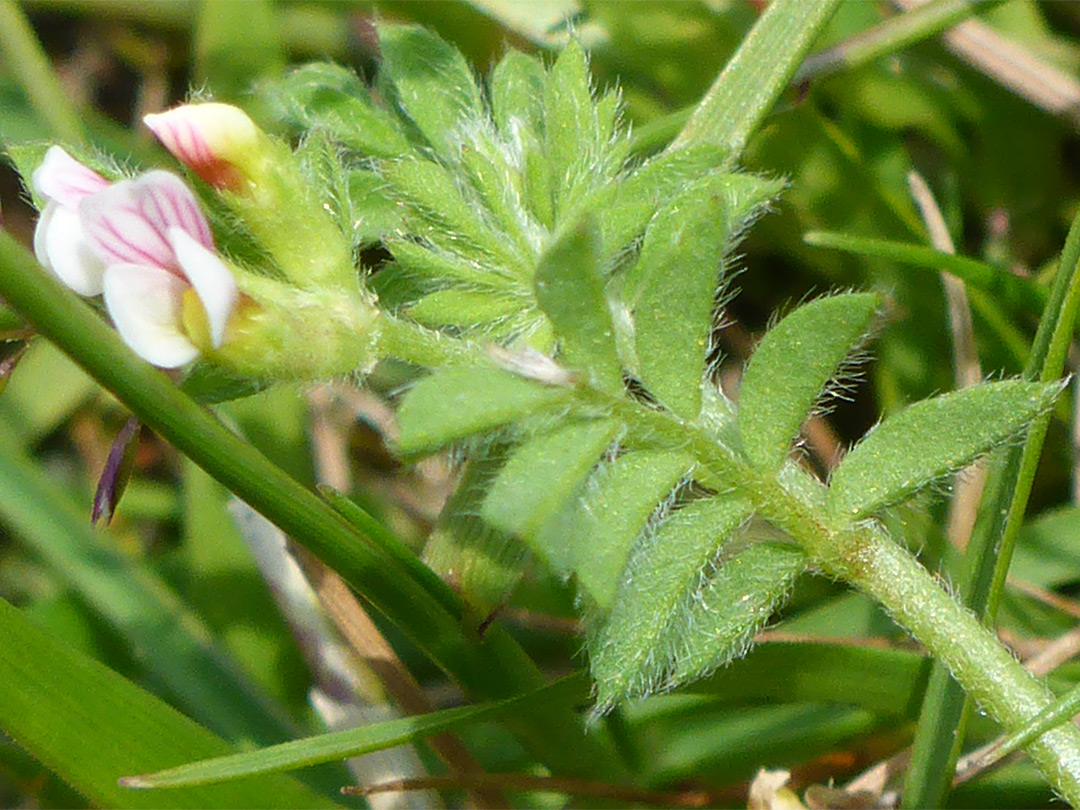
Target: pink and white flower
146, 245
219, 142
59, 242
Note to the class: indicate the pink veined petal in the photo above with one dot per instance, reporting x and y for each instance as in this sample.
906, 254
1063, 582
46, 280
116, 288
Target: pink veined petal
119, 232
62, 178
167, 202
61, 247
146, 305
213, 281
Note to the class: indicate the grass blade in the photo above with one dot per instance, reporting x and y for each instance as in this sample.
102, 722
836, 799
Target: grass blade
1003, 285
91, 726
350, 743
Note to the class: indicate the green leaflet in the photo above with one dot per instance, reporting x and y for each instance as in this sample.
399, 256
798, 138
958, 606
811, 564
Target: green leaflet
500, 185
672, 288
468, 309
461, 402
432, 195
624, 207
593, 537
634, 652
373, 213
517, 91
91, 726
434, 84
930, 439
743, 591
791, 366
329, 98
432, 264
482, 562
544, 473
570, 125
571, 292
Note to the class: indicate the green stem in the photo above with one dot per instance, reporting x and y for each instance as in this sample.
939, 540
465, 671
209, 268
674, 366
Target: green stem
757, 74
28, 63
870, 561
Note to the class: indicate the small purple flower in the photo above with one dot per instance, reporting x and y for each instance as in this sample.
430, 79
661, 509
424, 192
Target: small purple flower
147, 246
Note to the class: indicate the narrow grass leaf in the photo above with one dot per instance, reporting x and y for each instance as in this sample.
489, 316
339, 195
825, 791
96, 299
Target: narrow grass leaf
433, 82
756, 75
930, 439
743, 591
353, 742
544, 474
632, 654
1021, 293
570, 290
790, 368
455, 404
91, 726
392, 545
672, 288
592, 539
885, 681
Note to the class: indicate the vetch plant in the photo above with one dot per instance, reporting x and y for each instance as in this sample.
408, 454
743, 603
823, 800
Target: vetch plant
563, 294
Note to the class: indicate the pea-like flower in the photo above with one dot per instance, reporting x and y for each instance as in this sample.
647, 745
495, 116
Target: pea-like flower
147, 246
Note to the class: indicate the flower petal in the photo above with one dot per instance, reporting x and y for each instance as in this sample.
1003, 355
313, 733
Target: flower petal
62, 178
128, 222
62, 248
213, 281
146, 305
216, 141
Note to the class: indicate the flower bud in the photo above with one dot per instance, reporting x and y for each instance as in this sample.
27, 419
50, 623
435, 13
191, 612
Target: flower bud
219, 142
